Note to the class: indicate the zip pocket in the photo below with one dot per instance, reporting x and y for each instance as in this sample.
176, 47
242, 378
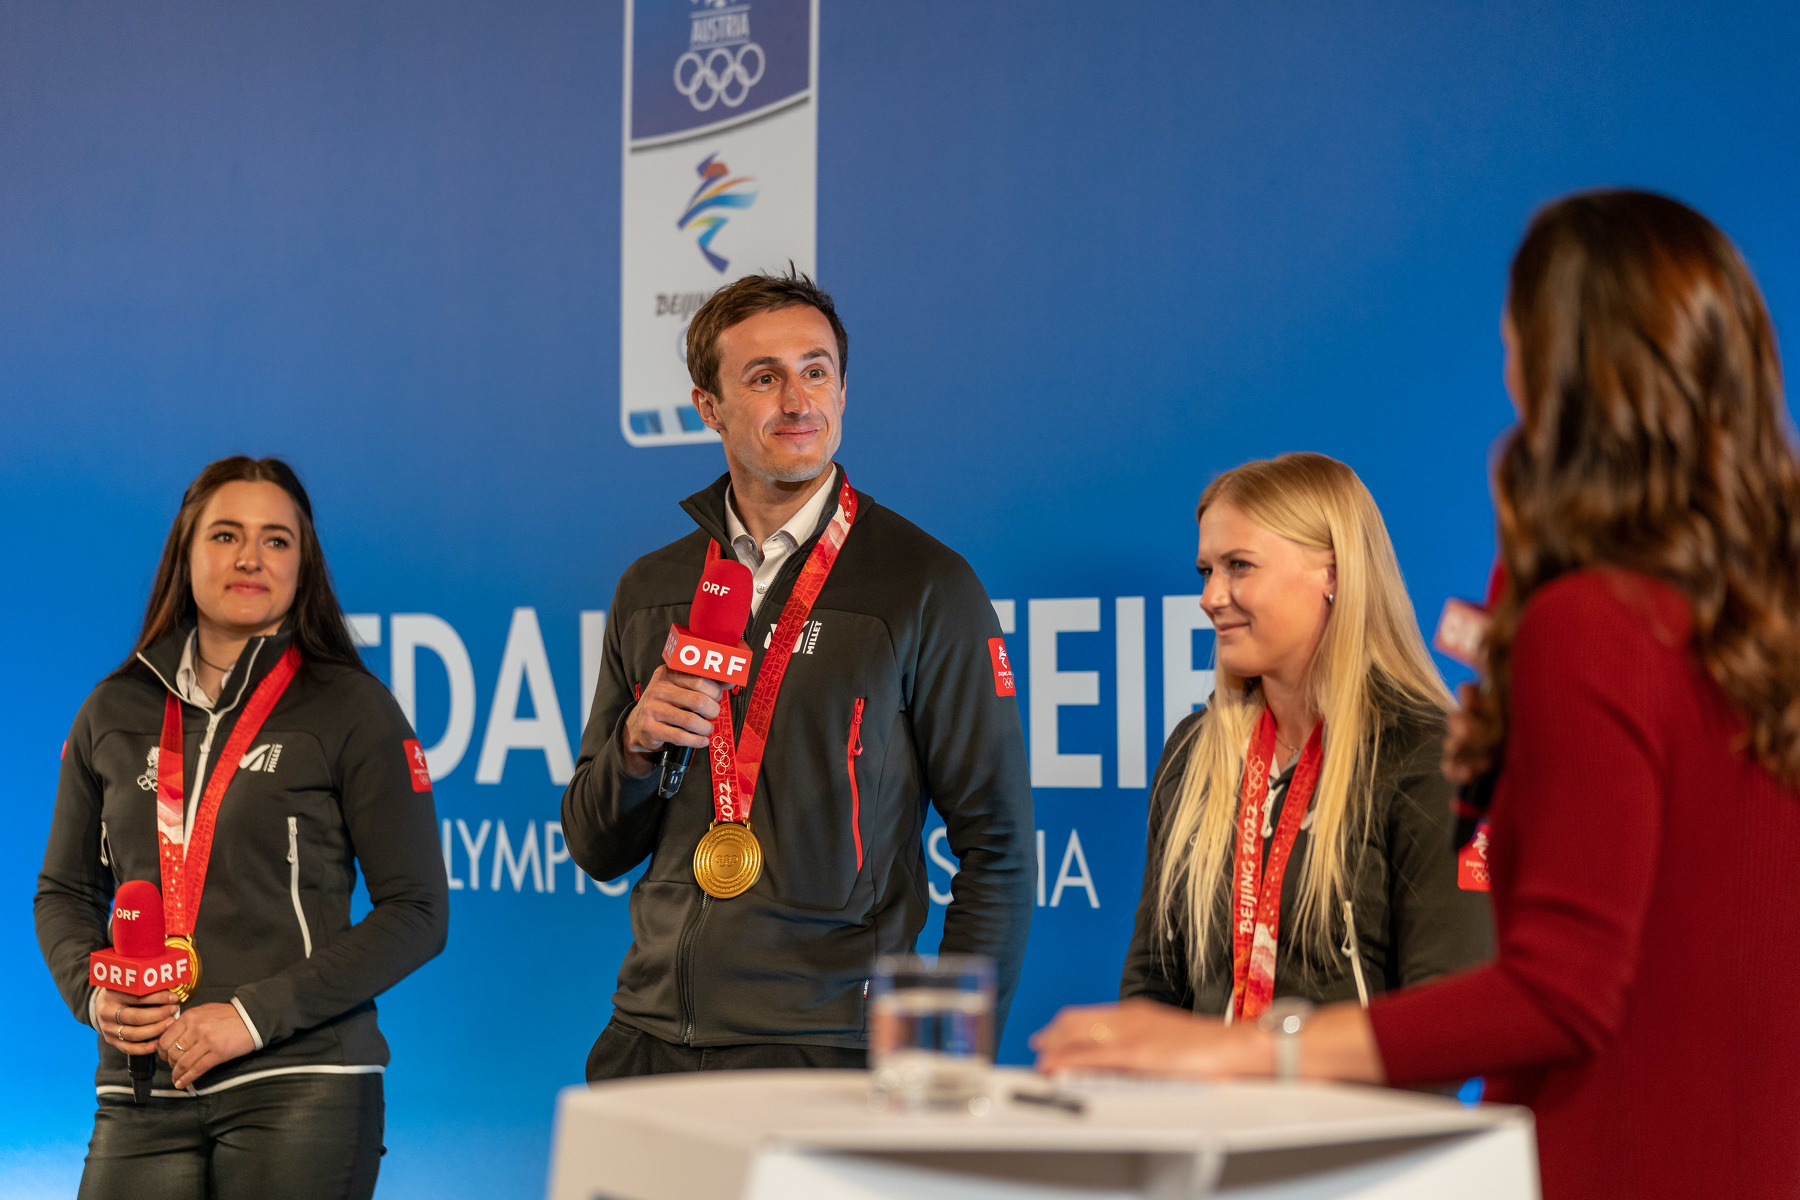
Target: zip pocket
105, 848
851, 750
294, 882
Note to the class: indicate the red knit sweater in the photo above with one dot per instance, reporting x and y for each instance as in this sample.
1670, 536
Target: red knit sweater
1645, 1001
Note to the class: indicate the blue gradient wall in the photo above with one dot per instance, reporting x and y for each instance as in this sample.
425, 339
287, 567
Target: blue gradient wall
1088, 254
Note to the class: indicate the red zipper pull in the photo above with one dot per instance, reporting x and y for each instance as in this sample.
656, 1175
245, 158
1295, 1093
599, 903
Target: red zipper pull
850, 767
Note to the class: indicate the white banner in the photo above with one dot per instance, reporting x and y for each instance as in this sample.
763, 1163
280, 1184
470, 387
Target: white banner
719, 181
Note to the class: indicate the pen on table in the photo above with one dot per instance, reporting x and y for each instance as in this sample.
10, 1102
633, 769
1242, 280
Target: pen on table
1061, 1100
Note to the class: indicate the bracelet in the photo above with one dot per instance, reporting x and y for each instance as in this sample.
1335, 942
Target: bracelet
1283, 1021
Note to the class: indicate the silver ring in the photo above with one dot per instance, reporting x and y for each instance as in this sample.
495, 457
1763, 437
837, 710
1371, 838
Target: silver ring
119, 1033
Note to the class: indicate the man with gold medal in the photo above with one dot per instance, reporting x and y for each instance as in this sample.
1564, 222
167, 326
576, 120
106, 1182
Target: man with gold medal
791, 855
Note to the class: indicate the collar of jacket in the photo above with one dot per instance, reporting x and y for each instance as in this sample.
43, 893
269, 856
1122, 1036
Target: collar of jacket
259, 656
708, 510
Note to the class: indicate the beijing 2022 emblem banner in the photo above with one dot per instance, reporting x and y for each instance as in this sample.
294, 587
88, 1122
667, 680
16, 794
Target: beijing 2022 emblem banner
719, 181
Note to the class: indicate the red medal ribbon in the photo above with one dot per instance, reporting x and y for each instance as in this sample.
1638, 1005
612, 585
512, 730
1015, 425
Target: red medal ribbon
1256, 908
184, 856
737, 763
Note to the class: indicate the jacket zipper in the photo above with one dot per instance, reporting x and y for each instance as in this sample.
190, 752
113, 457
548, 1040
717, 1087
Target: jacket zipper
105, 847
212, 724
768, 616
853, 749
294, 882
1353, 950
684, 968
194, 793
740, 701
690, 933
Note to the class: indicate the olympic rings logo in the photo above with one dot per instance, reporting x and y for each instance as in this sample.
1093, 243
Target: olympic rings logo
721, 73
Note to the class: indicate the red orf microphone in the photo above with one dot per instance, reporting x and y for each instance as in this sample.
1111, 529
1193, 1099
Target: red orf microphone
1462, 634
139, 963
712, 645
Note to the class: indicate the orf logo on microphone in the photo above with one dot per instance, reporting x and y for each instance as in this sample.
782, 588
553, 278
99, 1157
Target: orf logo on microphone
696, 656
1462, 630
714, 589
138, 976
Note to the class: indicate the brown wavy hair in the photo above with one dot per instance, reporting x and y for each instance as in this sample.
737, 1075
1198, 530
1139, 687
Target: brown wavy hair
1653, 436
745, 298
316, 619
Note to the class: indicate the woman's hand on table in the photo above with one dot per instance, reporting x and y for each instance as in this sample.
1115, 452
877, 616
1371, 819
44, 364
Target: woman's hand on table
203, 1037
1142, 1037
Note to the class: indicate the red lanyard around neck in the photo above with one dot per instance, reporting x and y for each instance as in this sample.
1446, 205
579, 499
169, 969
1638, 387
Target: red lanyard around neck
184, 853
737, 762
1256, 906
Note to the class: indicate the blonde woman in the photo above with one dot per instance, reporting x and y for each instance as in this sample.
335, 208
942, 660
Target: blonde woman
1299, 825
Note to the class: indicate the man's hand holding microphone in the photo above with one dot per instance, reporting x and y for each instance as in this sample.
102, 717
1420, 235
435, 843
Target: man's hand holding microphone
676, 709
675, 713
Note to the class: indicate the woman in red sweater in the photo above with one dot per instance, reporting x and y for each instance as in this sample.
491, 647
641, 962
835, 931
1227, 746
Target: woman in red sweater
1642, 704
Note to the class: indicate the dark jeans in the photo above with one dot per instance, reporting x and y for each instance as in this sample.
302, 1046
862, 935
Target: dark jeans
621, 1052
309, 1137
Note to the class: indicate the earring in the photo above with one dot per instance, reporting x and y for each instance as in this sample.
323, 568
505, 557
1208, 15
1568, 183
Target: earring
1331, 597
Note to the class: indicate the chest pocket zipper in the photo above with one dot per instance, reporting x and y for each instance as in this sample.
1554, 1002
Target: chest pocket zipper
851, 750
294, 882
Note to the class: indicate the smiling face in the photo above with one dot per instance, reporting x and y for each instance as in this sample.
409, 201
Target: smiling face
245, 559
1266, 595
781, 395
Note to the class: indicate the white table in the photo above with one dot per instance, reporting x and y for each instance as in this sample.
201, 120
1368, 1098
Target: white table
797, 1135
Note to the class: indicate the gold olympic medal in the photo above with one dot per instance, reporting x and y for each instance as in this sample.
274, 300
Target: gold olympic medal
727, 860
183, 990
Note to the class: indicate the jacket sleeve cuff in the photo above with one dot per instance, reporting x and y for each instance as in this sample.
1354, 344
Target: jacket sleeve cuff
93, 1009
244, 1015
266, 1008
632, 790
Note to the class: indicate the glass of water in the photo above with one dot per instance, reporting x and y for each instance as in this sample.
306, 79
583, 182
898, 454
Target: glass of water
931, 1031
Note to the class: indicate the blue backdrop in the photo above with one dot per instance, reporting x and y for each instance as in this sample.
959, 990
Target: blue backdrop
1089, 254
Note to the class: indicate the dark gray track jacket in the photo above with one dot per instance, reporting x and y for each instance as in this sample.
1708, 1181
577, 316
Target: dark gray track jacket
327, 786
1413, 922
900, 636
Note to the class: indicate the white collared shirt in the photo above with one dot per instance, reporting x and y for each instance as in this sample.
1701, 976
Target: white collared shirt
765, 561
187, 678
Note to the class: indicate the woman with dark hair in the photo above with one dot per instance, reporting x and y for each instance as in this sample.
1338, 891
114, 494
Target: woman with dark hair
1641, 712
244, 760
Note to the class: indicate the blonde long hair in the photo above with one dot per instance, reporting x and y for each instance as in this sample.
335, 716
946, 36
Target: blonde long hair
1371, 665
